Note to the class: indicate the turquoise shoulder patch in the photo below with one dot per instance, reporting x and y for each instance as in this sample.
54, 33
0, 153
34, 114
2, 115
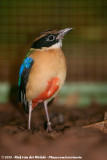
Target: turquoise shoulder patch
26, 64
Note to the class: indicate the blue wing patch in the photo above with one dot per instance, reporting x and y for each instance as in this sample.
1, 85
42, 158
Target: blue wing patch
26, 64
23, 79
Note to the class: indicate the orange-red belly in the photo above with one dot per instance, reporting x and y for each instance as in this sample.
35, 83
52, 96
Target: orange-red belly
52, 87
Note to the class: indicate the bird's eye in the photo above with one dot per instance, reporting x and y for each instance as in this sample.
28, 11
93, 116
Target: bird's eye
51, 38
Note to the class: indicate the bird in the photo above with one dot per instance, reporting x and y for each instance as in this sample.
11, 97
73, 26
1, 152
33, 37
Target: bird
43, 72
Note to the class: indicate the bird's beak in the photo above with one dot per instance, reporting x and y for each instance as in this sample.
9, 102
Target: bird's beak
63, 32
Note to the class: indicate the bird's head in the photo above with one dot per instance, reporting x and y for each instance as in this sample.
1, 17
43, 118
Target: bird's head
50, 39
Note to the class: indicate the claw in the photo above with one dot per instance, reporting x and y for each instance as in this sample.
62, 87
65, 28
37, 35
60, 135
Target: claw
49, 128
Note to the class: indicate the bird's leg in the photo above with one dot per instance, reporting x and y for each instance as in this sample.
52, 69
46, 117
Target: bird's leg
30, 110
48, 123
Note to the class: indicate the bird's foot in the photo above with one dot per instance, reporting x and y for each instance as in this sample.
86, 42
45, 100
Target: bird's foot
49, 128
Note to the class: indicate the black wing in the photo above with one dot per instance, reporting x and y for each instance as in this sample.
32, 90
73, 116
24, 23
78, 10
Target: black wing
23, 79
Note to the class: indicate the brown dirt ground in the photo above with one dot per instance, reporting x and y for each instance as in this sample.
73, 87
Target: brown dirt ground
72, 134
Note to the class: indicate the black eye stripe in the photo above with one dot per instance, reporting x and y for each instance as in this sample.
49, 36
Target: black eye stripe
45, 41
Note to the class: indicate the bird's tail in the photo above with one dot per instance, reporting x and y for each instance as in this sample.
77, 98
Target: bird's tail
22, 99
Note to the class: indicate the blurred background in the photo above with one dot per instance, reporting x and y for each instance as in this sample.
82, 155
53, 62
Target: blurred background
84, 48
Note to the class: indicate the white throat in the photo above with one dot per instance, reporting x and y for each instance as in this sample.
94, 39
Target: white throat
57, 45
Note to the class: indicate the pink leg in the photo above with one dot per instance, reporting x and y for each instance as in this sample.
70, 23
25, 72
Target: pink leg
30, 110
48, 123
